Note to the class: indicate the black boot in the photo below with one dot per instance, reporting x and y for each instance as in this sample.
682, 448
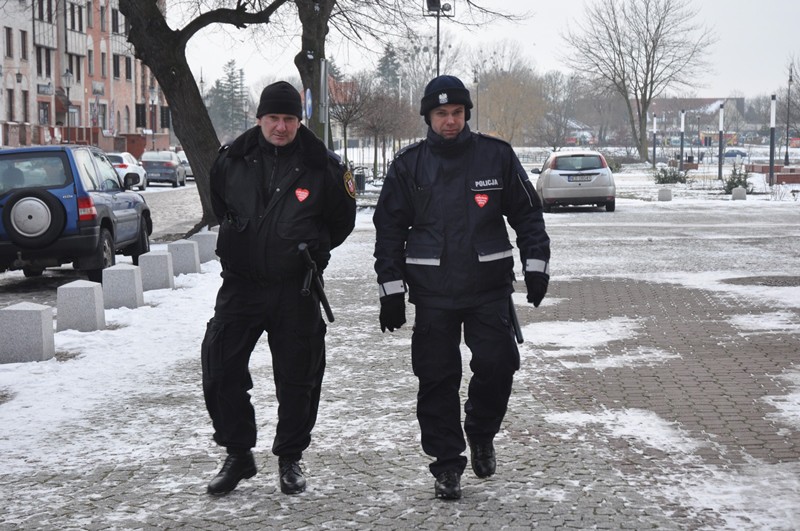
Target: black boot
483, 459
236, 468
292, 479
448, 485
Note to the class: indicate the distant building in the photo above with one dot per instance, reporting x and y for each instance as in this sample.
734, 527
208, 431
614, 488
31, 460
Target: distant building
68, 74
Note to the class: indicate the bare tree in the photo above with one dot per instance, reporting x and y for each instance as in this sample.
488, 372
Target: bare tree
640, 48
163, 50
560, 92
349, 102
378, 121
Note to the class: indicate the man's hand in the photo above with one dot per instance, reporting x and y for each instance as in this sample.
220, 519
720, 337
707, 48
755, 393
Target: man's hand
393, 311
537, 286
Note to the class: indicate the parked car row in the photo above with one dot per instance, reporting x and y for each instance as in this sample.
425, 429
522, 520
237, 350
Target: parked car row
155, 167
68, 204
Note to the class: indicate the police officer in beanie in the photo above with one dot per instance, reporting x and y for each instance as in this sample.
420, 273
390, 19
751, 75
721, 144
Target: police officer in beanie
441, 236
275, 187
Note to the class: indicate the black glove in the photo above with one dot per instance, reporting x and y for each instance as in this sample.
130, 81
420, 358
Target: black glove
537, 286
393, 311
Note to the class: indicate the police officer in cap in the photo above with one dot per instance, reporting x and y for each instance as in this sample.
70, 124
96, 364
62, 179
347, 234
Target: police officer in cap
275, 187
441, 236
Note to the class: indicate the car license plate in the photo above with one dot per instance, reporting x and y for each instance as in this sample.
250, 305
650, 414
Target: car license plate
151, 174
579, 178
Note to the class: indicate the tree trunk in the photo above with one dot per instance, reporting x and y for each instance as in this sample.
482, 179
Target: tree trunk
163, 51
314, 15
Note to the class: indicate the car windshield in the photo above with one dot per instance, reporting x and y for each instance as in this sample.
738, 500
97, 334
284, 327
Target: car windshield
579, 162
157, 155
115, 158
30, 170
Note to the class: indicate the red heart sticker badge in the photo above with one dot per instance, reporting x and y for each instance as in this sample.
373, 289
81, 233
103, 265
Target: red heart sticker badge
481, 199
301, 194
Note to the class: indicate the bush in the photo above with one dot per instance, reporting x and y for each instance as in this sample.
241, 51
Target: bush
737, 178
670, 175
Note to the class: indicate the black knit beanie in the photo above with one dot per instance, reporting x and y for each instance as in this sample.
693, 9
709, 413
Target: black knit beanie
443, 90
280, 98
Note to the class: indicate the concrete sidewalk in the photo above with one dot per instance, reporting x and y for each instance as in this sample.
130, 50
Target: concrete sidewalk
712, 383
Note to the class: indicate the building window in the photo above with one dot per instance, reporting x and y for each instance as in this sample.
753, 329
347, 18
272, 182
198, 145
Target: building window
115, 66
23, 45
103, 67
74, 66
90, 63
128, 68
103, 27
89, 15
50, 11
9, 42
72, 24
44, 113
10, 105
26, 117
48, 56
115, 21
80, 19
40, 10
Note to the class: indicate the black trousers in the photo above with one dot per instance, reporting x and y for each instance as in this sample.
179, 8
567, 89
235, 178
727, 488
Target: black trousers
296, 336
436, 360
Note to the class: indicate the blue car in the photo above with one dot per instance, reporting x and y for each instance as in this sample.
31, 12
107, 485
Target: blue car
67, 204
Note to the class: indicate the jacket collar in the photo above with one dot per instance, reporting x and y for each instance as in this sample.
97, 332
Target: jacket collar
315, 154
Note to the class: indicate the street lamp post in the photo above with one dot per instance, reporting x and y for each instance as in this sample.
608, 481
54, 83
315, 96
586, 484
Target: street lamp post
683, 127
67, 78
721, 129
788, 115
655, 133
477, 102
153, 116
772, 141
435, 8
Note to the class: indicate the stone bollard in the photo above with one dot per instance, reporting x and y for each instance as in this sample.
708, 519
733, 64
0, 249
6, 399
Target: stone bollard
185, 256
738, 194
79, 306
27, 330
122, 286
665, 194
206, 245
156, 267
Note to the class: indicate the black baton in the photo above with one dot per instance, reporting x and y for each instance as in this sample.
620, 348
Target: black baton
313, 274
515, 321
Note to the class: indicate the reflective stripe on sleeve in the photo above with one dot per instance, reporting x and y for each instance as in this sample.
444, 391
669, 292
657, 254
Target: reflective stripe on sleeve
495, 256
390, 288
423, 261
537, 266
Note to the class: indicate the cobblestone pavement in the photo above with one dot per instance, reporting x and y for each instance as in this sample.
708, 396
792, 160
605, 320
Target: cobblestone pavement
562, 464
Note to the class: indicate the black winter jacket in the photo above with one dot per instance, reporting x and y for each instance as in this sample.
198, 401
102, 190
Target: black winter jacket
440, 222
312, 200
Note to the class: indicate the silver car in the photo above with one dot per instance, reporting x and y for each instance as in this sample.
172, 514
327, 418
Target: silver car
126, 163
575, 178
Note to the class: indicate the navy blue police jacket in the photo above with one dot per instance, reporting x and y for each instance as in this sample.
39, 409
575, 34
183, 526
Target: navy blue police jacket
441, 222
312, 200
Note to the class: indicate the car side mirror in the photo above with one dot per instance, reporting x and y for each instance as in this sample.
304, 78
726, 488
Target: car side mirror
536, 171
131, 180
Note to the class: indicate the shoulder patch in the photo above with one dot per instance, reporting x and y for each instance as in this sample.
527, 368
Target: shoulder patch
350, 184
408, 148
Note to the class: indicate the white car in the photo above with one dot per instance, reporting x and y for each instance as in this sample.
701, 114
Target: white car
124, 163
575, 177
186, 165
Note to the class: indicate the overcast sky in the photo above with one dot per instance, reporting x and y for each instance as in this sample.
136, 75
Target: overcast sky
756, 39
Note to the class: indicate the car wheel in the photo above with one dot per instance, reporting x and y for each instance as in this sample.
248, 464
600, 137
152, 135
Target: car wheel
31, 272
175, 184
183, 182
611, 206
142, 245
33, 218
105, 254
143, 185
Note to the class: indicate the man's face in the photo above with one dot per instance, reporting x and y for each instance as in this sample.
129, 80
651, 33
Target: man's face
279, 129
447, 120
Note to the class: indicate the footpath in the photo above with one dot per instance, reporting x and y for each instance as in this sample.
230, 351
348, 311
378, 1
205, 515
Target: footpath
647, 407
